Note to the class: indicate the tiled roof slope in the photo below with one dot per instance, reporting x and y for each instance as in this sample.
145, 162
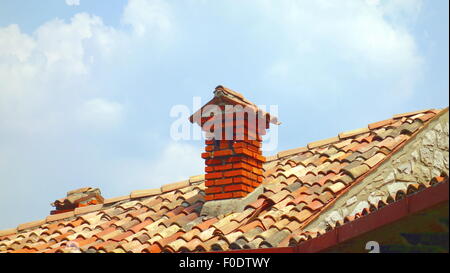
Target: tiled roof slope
298, 184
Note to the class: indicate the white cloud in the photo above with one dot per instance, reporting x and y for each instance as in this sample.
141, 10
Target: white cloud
73, 2
101, 113
368, 36
41, 73
48, 71
70, 46
147, 16
402, 9
177, 161
14, 44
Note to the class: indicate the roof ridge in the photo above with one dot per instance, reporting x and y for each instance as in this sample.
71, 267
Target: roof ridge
193, 180
350, 133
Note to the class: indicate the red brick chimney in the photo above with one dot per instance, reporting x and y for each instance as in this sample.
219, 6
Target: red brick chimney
234, 127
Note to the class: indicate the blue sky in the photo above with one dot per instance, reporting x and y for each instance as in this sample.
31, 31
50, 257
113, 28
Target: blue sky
86, 87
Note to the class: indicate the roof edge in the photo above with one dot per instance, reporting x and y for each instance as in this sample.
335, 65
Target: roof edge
352, 133
375, 167
193, 180
422, 200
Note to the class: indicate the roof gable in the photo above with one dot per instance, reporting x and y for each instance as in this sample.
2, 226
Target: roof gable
417, 165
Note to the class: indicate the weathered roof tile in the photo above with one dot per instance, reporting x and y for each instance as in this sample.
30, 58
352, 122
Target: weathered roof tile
322, 142
353, 133
175, 186
144, 193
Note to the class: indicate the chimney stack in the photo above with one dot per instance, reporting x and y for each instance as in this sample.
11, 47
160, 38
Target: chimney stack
234, 128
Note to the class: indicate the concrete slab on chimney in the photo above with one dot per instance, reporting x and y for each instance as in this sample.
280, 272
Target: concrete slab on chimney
223, 207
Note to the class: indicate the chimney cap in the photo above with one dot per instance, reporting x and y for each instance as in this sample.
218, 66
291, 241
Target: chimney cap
226, 96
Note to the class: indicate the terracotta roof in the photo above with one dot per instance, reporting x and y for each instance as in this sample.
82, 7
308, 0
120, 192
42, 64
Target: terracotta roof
300, 184
420, 204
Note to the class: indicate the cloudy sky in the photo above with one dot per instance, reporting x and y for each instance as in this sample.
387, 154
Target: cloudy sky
86, 87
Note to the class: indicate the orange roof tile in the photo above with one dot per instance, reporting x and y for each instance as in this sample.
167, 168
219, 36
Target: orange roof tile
300, 183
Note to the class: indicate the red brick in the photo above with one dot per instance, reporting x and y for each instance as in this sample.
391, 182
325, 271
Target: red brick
209, 183
209, 197
212, 190
225, 195
209, 169
243, 166
223, 181
213, 175
239, 144
257, 171
239, 194
255, 143
206, 155
244, 151
232, 159
234, 173
240, 172
223, 153
209, 142
223, 167
249, 161
246, 144
213, 162
253, 148
209, 148
236, 187
260, 158
242, 180
224, 144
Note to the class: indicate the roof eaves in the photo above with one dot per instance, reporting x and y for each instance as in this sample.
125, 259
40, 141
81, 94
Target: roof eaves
412, 203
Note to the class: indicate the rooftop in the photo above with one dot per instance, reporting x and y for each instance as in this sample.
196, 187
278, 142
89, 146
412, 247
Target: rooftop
306, 192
